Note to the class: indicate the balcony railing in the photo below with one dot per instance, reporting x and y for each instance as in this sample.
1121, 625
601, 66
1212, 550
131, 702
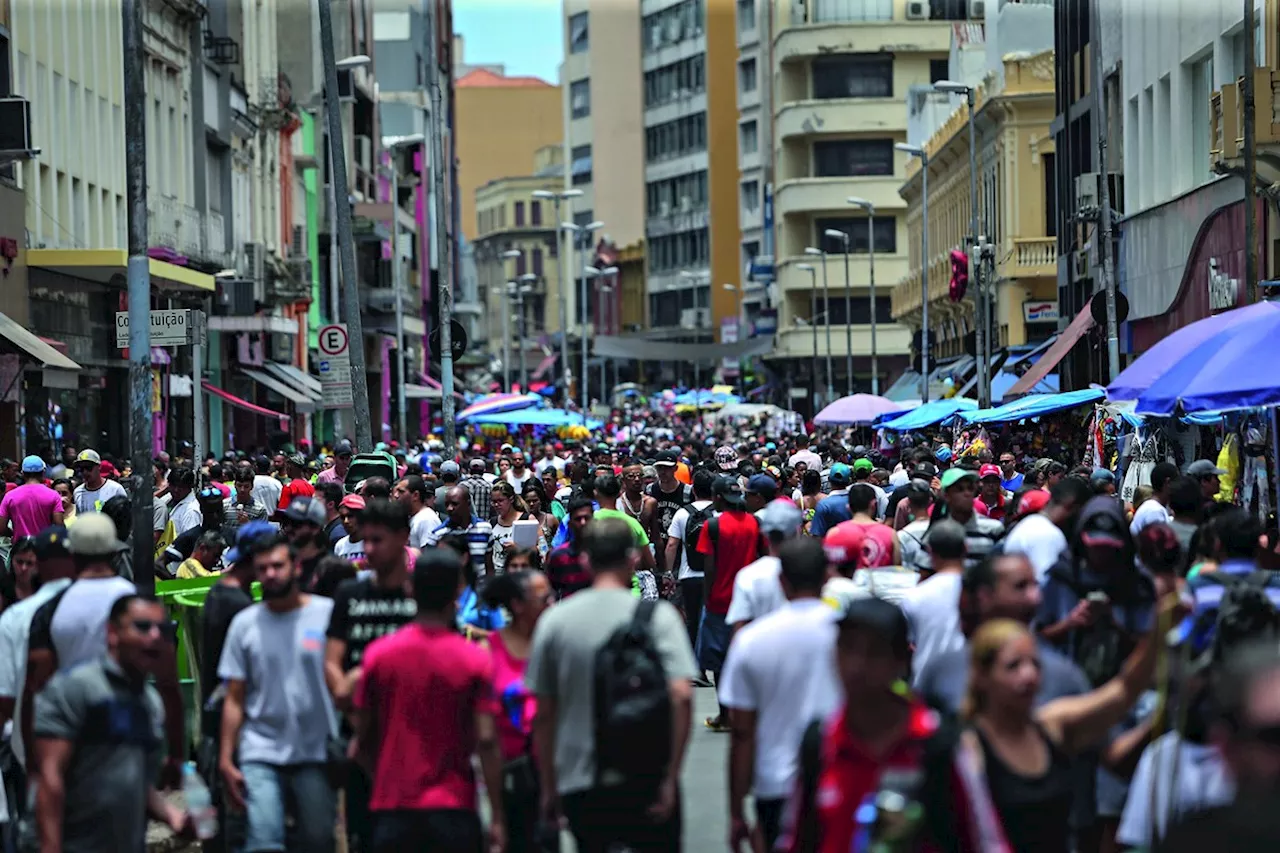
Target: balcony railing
1029, 257
1226, 112
183, 229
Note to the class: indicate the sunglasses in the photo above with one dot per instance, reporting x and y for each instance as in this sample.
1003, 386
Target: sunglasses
166, 629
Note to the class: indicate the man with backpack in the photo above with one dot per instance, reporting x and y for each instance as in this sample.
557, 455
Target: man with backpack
611, 675
1238, 602
682, 548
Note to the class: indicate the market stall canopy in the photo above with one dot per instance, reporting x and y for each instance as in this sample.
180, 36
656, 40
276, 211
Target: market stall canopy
856, 409
748, 410
706, 399
495, 403
536, 417
1033, 407
1135, 379
1229, 370
930, 414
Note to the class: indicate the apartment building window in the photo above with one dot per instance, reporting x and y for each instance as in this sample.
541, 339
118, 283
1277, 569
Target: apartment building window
1201, 74
535, 212
6, 78
885, 227
938, 70
685, 250
853, 75
852, 158
746, 15
519, 214
856, 310
672, 25
579, 37
580, 98
537, 262
949, 10
1048, 166
750, 196
520, 265
584, 218
677, 138
681, 194
749, 137
750, 250
678, 80
747, 75
580, 165
844, 11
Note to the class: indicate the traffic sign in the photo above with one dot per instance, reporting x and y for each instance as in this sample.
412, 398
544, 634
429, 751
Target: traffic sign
457, 341
169, 328
335, 367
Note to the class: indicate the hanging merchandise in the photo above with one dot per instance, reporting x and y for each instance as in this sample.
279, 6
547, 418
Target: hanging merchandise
1255, 474
1144, 453
1229, 461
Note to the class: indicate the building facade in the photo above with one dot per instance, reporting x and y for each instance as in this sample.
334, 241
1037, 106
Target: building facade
754, 22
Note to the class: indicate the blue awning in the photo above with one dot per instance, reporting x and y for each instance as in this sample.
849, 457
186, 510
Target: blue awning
929, 414
1033, 407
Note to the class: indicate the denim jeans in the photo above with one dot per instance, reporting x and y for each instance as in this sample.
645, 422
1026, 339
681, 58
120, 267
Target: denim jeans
302, 790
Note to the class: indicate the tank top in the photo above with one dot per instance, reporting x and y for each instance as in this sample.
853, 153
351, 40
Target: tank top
1034, 810
516, 702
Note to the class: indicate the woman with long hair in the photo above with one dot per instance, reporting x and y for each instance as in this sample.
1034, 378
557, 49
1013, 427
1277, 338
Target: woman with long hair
525, 595
535, 498
66, 490
20, 580
1029, 753
508, 508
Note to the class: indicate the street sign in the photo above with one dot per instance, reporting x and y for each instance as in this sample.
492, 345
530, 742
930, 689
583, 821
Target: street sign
457, 341
169, 328
335, 367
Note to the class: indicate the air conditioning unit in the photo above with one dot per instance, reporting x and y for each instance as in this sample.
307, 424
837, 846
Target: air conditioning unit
1087, 192
364, 152
298, 240
301, 267
255, 268
977, 10
235, 295
1081, 264
15, 127
917, 10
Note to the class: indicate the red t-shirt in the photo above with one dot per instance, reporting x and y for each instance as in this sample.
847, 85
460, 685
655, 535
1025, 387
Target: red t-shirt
737, 544
423, 686
294, 489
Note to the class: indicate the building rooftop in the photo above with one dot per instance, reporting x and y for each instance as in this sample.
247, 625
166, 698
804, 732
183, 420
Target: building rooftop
482, 78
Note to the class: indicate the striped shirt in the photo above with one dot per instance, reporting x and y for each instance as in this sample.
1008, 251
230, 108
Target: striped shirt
477, 534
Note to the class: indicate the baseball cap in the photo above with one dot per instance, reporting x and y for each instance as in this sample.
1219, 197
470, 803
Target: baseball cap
843, 544
1102, 475
728, 488
840, 474
990, 470
763, 485
51, 542
232, 555
342, 448
304, 511
89, 456
943, 454
355, 502
33, 465
1204, 468
726, 458
667, 457
919, 488
252, 530
927, 470
1099, 529
782, 517
297, 459
1033, 501
94, 535
954, 475
449, 467
863, 465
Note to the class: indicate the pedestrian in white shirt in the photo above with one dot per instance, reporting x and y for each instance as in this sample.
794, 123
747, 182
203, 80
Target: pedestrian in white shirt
185, 509
933, 607
412, 491
1041, 536
757, 590
1156, 508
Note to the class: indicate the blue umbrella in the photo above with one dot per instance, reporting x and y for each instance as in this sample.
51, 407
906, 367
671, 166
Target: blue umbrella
1230, 370
931, 413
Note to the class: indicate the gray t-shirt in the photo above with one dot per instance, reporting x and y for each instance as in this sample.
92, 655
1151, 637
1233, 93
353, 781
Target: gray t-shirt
280, 657
117, 728
74, 624
562, 667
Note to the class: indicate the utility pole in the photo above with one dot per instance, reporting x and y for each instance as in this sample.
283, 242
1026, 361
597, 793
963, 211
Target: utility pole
444, 277
346, 248
1104, 195
138, 276
397, 276
1250, 157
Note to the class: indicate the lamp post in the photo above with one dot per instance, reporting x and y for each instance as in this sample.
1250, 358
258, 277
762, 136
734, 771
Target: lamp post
512, 290
394, 144
595, 272
504, 295
980, 298
606, 310
826, 309
870, 209
917, 151
848, 307
557, 198
526, 286
813, 322
582, 234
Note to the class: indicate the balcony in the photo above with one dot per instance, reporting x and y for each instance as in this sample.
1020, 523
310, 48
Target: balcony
1028, 257
184, 230
842, 115
813, 195
1226, 130
797, 341
383, 300
889, 269
904, 297
799, 40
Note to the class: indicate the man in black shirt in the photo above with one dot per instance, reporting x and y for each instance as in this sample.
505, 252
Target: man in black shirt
672, 496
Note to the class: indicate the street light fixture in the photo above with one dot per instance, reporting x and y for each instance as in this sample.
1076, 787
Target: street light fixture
953, 87
836, 234
357, 61
512, 291
826, 309
870, 209
582, 235
917, 151
393, 144
813, 322
698, 278
558, 197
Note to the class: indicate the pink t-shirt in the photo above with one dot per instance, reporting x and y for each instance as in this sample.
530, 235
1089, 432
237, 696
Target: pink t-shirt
877, 544
30, 508
516, 703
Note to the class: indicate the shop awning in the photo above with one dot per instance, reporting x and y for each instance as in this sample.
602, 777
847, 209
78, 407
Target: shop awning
34, 348
295, 378
1066, 340
228, 397
303, 402
101, 265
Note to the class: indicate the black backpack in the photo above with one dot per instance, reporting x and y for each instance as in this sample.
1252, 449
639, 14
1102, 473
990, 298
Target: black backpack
693, 532
1244, 613
633, 720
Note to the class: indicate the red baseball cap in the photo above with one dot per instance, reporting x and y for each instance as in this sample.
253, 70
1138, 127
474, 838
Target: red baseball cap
990, 470
843, 544
1033, 501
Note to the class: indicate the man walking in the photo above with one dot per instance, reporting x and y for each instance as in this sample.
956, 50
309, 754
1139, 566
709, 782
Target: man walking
31, 507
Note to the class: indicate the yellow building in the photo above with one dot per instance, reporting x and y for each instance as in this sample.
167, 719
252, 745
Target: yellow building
840, 86
1016, 173
501, 123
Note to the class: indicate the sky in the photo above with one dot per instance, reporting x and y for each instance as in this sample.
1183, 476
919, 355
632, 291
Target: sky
525, 35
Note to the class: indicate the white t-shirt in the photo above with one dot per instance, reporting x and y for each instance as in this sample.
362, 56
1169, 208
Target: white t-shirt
1203, 783
1042, 541
348, 550
757, 591
890, 584
783, 668
911, 544
267, 491
423, 522
808, 457
15, 629
933, 617
1150, 512
186, 515
544, 463
92, 501
517, 481
78, 629
676, 531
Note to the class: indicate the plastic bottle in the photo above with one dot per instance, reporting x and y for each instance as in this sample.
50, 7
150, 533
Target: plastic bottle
204, 817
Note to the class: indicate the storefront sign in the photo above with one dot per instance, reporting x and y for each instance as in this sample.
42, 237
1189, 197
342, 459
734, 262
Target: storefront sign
1043, 311
1223, 289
